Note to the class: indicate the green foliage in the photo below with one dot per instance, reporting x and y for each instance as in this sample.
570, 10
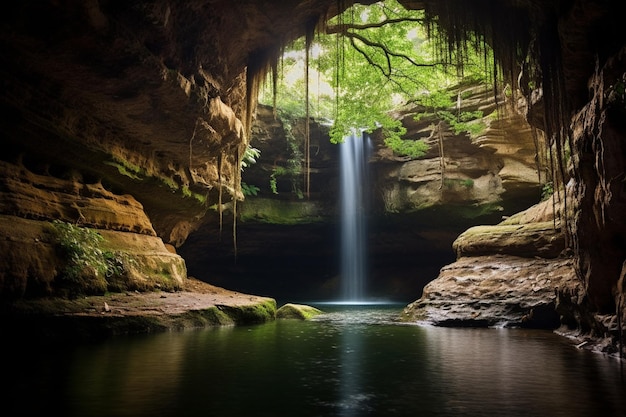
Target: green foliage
250, 157
291, 172
85, 263
292, 168
248, 189
403, 147
88, 268
547, 190
372, 60
468, 183
436, 100
464, 122
273, 183
453, 183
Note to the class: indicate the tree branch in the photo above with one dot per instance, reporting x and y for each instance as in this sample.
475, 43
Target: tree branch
369, 60
388, 53
342, 28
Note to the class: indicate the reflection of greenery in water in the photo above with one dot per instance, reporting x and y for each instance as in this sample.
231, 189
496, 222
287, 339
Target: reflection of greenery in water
358, 363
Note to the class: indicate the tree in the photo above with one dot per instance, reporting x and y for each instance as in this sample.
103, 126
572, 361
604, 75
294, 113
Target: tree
365, 63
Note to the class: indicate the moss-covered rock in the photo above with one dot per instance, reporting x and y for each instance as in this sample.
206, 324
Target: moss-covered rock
256, 313
266, 210
200, 305
297, 311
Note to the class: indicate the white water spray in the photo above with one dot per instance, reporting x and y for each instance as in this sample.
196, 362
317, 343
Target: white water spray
353, 175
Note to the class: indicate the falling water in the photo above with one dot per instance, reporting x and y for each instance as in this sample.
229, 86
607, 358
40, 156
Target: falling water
353, 176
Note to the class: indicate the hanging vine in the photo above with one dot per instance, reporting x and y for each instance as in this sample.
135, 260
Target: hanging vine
307, 130
515, 38
236, 190
220, 210
442, 159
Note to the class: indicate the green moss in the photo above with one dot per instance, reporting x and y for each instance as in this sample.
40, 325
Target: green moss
122, 170
265, 210
297, 312
208, 317
202, 198
186, 191
261, 312
170, 183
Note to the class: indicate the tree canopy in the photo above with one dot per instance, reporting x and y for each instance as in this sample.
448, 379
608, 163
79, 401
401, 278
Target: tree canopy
365, 63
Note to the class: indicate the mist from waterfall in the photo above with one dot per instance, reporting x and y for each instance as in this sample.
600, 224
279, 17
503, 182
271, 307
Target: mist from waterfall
353, 190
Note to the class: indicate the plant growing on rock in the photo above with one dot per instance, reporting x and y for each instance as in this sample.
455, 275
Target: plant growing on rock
88, 268
547, 190
85, 265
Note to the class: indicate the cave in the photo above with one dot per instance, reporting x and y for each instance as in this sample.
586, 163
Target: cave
124, 126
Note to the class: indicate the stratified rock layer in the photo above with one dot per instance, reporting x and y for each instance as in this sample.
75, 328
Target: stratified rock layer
505, 275
495, 290
475, 174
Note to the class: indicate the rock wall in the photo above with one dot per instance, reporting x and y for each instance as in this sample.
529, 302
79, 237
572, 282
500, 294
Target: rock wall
599, 226
571, 82
510, 274
494, 170
35, 259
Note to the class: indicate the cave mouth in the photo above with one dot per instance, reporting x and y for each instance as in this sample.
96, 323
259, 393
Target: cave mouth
356, 72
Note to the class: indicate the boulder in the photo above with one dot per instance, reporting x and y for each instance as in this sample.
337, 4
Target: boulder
297, 311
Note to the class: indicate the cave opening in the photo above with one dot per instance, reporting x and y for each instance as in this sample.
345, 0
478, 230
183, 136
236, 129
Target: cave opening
427, 97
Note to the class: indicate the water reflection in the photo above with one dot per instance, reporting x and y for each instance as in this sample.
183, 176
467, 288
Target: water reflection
359, 363
352, 398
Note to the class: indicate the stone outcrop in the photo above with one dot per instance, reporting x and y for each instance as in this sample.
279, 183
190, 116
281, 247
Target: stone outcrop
495, 290
510, 274
26, 194
480, 173
54, 321
526, 240
33, 261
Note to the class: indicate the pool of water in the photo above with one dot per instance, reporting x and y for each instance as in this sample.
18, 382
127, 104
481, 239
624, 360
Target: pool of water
351, 361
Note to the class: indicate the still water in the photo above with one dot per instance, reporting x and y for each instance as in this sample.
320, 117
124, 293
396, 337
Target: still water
352, 361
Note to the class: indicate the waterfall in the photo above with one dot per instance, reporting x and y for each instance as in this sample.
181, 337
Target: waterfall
353, 175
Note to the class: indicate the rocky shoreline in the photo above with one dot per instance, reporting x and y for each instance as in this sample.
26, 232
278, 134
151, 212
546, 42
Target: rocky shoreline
89, 318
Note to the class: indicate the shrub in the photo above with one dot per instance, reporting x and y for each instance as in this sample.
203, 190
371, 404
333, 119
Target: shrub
85, 264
